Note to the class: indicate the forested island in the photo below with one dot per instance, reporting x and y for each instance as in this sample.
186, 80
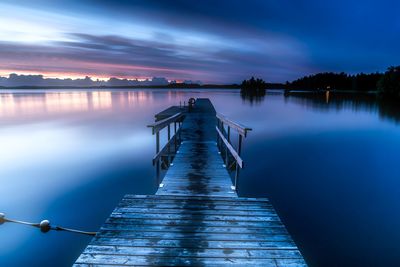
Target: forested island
385, 85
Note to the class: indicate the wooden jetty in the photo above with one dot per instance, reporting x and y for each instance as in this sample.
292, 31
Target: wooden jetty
196, 217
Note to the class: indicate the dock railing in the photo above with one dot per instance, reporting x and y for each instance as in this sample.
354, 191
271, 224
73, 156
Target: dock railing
164, 155
225, 145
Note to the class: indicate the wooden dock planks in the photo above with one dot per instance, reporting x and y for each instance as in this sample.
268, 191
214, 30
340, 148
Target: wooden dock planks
197, 169
164, 230
195, 218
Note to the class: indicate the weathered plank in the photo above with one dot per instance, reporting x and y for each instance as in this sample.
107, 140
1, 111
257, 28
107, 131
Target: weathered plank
193, 228
167, 222
241, 200
159, 260
176, 243
192, 252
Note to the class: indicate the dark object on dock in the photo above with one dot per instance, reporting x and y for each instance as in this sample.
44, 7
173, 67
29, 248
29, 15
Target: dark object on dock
196, 217
191, 103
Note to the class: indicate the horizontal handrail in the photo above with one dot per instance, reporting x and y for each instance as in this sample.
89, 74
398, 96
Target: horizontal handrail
240, 128
230, 148
159, 125
163, 150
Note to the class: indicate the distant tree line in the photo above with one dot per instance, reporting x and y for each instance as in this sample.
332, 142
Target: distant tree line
337, 81
386, 84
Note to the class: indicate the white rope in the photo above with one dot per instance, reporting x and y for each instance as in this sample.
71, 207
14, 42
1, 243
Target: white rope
44, 226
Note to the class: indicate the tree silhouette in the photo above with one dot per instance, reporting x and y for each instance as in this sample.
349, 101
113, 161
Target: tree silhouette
389, 84
253, 87
337, 81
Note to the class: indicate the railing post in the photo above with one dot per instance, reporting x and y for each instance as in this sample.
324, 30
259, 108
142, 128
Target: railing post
180, 131
169, 145
226, 150
237, 166
221, 128
218, 139
158, 160
174, 136
236, 175
240, 145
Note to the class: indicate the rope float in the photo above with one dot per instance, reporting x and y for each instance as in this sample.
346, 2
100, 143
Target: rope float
44, 226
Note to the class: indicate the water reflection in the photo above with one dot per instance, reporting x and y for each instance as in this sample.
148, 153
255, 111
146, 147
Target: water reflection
64, 102
253, 98
347, 101
76, 153
31, 104
389, 110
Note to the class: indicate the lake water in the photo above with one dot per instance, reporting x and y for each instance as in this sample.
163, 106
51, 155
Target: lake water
330, 168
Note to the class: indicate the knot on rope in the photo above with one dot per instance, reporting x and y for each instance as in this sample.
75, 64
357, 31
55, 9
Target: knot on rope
44, 226
2, 218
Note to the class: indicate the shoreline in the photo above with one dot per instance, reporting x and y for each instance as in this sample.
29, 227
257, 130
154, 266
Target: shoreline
211, 86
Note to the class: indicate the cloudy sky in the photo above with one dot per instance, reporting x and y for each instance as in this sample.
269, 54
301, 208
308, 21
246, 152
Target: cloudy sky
213, 41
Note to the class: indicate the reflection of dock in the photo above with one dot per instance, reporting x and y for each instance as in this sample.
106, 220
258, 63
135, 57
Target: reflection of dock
196, 217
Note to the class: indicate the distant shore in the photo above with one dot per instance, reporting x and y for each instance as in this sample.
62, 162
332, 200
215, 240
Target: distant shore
170, 86
277, 86
299, 92
192, 86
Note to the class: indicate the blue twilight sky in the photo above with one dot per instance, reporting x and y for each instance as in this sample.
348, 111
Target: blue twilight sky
212, 41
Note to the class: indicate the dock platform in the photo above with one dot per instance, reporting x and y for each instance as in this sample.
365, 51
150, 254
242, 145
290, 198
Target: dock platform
196, 217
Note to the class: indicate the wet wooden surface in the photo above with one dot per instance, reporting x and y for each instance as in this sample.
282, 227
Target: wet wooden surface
197, 168
195, 218
169, 112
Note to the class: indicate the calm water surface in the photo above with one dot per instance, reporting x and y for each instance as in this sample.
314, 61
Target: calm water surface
331, 169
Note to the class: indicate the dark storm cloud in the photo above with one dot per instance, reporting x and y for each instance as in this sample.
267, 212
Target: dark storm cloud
278, 40
340, 35
102, 54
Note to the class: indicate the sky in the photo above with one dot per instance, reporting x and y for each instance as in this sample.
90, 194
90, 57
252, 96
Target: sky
215, 41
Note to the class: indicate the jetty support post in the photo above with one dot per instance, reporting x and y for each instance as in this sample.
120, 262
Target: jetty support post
174, 136
237, 167
226, 149
218, 138
169, 144
158, 160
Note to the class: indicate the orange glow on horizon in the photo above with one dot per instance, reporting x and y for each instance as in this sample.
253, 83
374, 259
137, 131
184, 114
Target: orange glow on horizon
96, 70
103, 67
70, 75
